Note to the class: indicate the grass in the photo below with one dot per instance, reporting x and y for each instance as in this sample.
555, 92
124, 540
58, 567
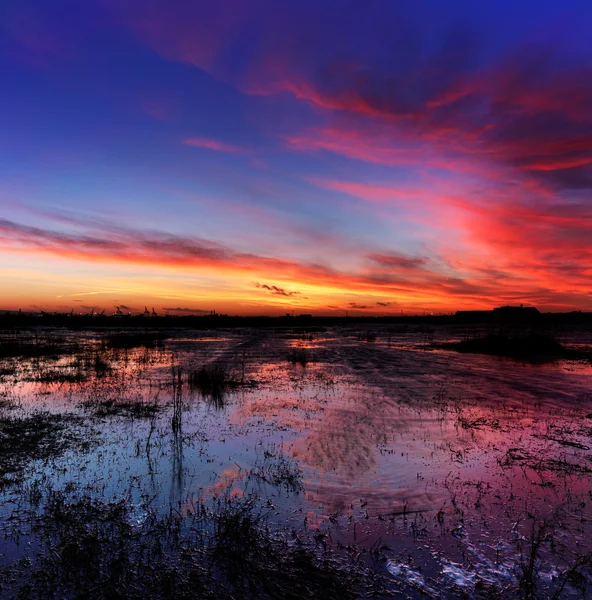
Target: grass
34, 346
213, 382
530, 563
368, 336
33, 437
177, 418
299, 356
533, 345
87, 548
278, 470
532, 560
128, 341
138, 409
86, 365
538, 463
85, 544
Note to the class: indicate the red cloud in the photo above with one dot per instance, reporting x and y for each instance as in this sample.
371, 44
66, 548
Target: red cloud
210, 144
527, 110
411, 280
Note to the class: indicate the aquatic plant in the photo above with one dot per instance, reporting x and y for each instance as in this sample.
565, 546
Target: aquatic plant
299, 356
521, 345
213, 381
128, 341
221, 549
28, 437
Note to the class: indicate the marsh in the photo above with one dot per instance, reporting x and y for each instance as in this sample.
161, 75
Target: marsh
275, 463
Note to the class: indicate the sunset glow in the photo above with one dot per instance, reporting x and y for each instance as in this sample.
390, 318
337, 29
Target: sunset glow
315, 156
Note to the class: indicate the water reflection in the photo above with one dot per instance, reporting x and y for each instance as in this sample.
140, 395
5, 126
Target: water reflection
385, 434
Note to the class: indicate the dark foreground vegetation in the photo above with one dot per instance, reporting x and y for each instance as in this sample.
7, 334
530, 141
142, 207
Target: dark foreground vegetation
32, 345
526, 345
82, 322
90, 548
30, 437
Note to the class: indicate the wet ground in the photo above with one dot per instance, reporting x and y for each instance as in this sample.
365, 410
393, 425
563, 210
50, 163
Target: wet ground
448, 475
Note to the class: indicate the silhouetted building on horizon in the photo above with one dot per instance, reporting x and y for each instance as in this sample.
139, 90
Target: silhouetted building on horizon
520, 311
508, 312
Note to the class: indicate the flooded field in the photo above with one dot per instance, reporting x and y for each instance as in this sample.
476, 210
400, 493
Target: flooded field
346, 462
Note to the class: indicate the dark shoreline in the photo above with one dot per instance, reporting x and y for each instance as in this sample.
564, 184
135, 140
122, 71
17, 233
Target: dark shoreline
13, 320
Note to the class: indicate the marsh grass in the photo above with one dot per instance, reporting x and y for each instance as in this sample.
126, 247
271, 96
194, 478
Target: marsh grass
299, 356
530, 561
87, 548
540, 464
110, 407
214, 382
33, 437
177, 418
276, 469
35, 346
368, 337
129, 341
236, 545
87, 364
536, 550
525, 345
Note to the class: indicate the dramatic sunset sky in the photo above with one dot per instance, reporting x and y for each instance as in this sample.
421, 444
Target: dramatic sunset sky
264, 156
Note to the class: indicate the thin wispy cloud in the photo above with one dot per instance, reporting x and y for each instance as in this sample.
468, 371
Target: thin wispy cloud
211, 144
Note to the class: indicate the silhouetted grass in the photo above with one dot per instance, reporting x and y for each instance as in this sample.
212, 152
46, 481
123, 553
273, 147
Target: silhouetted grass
278, 470
87, 548
32, 437
36, 347
524, 345
138, 409
213, 381
128, 341
368, 336
299, 356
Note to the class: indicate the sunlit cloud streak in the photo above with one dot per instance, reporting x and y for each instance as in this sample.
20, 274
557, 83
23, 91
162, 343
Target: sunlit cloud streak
403, 279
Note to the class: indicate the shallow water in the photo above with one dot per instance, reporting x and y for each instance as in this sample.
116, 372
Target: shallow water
448, 460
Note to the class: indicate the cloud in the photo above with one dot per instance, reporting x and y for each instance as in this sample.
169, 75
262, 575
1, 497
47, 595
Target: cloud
211, 144
371, 306
434, 91
129, 308
277, 291
186, 310
399, 262
549, 276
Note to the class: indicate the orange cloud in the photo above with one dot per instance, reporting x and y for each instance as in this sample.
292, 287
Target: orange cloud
394, 279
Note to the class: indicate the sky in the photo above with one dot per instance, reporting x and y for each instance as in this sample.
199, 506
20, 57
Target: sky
317, 156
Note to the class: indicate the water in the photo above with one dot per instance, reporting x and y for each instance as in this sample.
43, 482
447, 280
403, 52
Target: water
451, 463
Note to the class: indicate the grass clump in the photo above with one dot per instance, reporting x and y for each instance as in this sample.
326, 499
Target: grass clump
36, 347
213, 381
129, 341
87, 548
368, 336
523, 345
136, 409
278, 470
299, 356
34, 437
84, 367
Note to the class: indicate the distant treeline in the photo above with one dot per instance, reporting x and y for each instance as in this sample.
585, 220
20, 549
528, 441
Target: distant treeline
18, 320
